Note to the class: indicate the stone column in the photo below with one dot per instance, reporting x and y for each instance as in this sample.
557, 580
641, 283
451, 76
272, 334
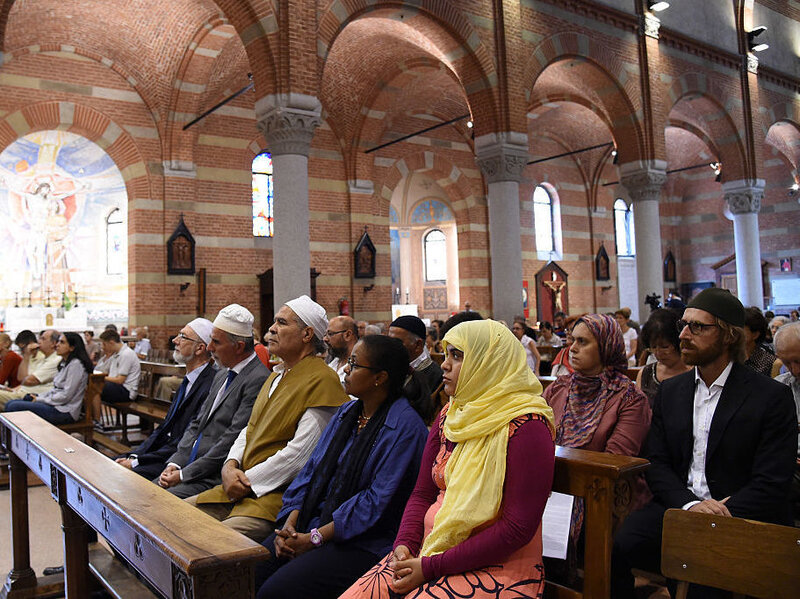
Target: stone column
288, 122
643, 181
406, 270
743, 199
502, 158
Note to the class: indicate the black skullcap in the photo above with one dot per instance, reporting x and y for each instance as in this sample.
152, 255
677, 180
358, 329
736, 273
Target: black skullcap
412, 324
721, 303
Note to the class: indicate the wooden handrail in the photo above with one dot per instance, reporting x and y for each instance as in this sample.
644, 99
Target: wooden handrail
181, 551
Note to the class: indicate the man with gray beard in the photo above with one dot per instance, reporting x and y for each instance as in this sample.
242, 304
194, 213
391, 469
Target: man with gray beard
191, 348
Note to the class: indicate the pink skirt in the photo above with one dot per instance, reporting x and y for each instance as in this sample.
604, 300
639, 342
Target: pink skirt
520, 576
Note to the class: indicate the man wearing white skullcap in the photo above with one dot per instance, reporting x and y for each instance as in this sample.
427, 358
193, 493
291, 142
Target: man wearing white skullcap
292, 410
191, 348
196, 463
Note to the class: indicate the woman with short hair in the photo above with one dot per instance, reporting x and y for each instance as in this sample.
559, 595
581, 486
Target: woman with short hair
62, 404
660, 337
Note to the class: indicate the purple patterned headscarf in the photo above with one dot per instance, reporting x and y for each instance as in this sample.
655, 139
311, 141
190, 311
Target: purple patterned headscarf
588, 394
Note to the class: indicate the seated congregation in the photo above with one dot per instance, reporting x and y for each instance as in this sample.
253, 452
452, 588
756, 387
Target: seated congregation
344, 464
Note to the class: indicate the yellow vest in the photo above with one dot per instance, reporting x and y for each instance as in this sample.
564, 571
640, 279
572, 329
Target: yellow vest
273, 423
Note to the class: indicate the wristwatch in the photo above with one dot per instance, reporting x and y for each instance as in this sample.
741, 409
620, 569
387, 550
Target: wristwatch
316, 537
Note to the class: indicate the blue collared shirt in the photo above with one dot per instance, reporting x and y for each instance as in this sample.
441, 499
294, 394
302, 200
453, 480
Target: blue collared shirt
372, 516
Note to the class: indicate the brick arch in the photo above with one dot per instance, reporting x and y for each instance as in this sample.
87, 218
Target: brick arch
115, 66
697, 132
186, 97
541, 99
368, 131
620, 107
474, 68
89, 123
784, 136
783, 111
448, 176
710, 100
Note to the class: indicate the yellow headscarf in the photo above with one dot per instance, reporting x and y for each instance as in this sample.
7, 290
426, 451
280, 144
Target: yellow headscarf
494, 386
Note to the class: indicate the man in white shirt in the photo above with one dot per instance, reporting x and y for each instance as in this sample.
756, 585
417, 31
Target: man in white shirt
340, 339
122, 370
142, 347
290, 413
37, 369
722, 440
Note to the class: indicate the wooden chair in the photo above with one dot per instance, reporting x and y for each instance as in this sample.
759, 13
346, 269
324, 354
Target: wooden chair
85, 426
733, 554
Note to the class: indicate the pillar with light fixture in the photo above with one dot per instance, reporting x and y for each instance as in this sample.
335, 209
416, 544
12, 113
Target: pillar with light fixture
502, 157
743, 200
643, 181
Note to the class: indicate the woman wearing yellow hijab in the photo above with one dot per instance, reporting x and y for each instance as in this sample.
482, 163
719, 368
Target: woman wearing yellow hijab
472, 527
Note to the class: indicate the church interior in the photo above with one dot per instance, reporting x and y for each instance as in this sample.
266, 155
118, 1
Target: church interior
162, 160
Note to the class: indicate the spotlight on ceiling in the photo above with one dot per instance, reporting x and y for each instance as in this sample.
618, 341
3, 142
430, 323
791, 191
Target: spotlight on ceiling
469, 124
717, 168
656, 6
752, 46
614, 156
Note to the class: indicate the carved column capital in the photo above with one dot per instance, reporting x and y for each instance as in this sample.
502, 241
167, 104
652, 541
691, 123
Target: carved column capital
743, 197
288, 122
752, 63
502, 156
650, 25
643, 181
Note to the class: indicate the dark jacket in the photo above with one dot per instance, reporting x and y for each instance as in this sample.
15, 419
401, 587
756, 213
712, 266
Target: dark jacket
162, 443
752, 445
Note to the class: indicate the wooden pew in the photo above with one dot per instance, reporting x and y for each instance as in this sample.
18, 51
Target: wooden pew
606, 483
179, 550
146, 406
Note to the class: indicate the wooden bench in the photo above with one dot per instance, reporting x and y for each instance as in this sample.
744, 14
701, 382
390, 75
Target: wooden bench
606, 482
147, 406
177, 549
753, 558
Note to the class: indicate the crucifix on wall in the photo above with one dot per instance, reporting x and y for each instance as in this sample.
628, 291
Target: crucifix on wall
551, 291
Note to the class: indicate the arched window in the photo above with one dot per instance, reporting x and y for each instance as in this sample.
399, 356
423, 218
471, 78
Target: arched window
543, 219
115, 243
623, 228
263, 194
435, 256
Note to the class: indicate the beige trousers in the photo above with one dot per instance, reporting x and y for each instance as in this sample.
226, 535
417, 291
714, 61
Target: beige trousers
253, 528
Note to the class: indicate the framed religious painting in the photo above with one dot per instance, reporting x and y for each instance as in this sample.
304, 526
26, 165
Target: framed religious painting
180, 251
364, 257
669, 268
602, 272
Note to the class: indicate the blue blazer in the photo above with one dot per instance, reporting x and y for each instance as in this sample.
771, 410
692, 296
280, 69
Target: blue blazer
370, 518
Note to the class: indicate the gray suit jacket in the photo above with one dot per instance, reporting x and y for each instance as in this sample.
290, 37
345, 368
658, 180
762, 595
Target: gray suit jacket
219, 429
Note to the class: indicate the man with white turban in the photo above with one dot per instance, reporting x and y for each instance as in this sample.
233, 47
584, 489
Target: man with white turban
290, 413
195, 465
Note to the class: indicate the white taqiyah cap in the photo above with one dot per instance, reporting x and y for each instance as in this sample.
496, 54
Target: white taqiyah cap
236, 320
311, 313
202, 326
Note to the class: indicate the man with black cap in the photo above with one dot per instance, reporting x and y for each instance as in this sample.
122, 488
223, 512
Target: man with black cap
722, 440
411, 331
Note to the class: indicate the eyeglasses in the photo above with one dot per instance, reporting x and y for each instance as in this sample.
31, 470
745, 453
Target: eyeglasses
332, 333
182, 336
696, 328
351, 361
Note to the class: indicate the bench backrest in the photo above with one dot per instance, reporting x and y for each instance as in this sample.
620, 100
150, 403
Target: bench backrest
151, 372
734, 554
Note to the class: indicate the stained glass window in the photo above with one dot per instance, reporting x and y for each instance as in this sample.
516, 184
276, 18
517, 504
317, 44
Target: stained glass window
263, 196
435, 256
623, 228
543, 219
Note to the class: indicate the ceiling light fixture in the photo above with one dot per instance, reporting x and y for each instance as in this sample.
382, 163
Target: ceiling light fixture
656, 6
752, 46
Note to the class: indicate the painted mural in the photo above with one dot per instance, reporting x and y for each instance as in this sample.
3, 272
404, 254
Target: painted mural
63, 226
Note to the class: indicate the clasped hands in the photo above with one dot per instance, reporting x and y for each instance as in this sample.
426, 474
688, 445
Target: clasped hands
407, 571
712, 506
234, 481
288, 542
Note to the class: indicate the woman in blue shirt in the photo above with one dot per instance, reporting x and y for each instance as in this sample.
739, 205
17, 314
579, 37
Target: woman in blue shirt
341, 514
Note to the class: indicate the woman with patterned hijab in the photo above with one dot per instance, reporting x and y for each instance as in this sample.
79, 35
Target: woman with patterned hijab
597, 407
473, 523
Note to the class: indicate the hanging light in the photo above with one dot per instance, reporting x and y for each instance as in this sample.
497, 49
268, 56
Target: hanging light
752, 46
656, 6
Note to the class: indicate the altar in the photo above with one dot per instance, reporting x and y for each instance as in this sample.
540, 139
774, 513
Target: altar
38, 318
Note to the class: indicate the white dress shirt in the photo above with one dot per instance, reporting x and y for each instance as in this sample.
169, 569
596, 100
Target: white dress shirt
705, 404
283, 466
